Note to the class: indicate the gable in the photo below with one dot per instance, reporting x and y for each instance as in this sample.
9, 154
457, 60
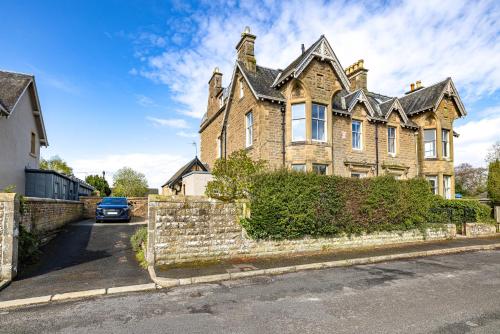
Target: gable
320, 81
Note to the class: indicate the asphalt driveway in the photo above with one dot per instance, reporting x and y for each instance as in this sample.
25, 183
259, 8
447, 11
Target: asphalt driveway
83, 256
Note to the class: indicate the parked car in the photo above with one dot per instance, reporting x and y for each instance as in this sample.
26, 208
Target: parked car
113, 209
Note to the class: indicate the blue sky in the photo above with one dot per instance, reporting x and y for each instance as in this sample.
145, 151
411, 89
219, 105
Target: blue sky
124, 83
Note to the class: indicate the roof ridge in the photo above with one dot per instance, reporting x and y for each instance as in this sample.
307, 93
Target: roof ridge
424, 88
19, 73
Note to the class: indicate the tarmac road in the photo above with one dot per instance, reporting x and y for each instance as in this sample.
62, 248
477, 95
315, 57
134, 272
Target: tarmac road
442, 294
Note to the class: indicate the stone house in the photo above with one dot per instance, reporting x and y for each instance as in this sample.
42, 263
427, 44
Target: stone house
22, 131
317, 116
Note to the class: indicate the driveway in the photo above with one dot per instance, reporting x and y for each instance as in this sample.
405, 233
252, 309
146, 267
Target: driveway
84, 255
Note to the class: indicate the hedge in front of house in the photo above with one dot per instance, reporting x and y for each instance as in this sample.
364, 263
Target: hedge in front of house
291, 205
460, 211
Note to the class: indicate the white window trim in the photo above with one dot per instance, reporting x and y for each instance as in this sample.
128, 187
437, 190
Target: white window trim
248, 130
436, 184
360, 135
447, 187
393, 154
325, 127
447, 156
296, 119
435, 145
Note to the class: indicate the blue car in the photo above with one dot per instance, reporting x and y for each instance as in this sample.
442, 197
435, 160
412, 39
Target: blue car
113, 209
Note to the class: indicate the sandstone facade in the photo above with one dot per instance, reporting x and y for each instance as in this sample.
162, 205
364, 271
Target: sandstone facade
316, 78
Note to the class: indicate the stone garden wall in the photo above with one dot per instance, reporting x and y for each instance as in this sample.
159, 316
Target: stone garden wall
139, 209
479, 230
44, 215
185, 229
9, 232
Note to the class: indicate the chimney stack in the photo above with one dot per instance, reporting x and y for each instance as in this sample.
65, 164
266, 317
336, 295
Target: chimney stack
214, 89
357, 75
245, 48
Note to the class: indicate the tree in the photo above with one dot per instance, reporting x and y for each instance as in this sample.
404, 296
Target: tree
494, 182
233, 176
129, 183
100, 184
470, 181
57, 164
493, 153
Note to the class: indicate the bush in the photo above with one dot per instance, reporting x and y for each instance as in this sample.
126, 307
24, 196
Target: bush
28, 247
290, 205
233, 177
460, 211
139, 242
493, 184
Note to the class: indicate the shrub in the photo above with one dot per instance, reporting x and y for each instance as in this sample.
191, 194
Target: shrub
233, 177
290, 205
460, 211
28, 247
139, 242
493, 184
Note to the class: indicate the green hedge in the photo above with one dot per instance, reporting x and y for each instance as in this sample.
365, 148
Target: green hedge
460, 211
288, 205
291, 205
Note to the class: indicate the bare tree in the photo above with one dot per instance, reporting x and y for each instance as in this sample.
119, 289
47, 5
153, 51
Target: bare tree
470, 180
493, 153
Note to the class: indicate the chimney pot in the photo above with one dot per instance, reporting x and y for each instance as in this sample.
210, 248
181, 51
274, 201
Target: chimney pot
303, 48
419, 84
361, 63
246, 30
412, 87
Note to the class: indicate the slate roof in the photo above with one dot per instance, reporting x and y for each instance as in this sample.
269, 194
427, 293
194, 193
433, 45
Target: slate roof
261, 81
12, 85
293, 65
424, 98
184, 170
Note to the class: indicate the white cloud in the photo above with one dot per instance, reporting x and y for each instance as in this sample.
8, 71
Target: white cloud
172, 123
158, 168
476, 138
145, 101
401, 42
187, 134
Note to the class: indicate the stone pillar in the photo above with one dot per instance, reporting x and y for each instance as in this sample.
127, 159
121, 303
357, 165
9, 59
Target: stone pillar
9, 228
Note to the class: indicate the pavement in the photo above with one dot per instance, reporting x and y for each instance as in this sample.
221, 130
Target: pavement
457, 293
83, 256
186, 270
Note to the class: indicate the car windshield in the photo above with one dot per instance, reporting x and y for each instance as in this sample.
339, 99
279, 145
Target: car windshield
114, 201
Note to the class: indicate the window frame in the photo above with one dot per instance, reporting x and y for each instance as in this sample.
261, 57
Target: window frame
430, 141
361, 175
445, 144
392, 153
303, 168
317, 120
302, 120
447, 186
360, 134
434, 178
314, 168
219, 148
249, 129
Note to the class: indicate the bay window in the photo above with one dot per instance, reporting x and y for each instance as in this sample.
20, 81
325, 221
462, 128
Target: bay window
434, 184
430, 143
446, 143
299, 122
318, 122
